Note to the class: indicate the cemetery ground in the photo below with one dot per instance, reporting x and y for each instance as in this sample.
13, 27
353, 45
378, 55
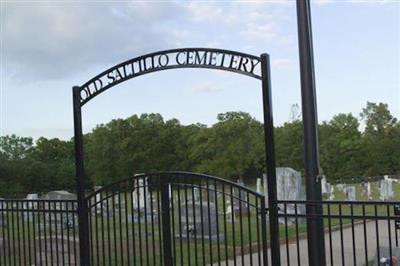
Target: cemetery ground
116, 238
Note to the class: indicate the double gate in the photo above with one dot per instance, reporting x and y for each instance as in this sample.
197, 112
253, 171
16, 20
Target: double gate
177, 218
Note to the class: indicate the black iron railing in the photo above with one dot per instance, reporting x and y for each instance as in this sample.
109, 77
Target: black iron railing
211, 222
356, 232
38, 232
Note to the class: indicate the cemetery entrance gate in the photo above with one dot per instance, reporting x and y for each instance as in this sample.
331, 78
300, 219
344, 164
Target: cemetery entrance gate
177, 218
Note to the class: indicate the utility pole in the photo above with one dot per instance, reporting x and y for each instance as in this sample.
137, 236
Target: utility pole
315, 225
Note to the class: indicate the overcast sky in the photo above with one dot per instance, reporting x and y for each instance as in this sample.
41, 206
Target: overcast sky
49, 46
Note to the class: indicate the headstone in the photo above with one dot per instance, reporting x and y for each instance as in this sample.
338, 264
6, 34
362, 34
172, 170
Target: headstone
28, 215
259, 187
68, 219
229, 211
363, 188
328, 189
64, 250
240, 204
196, 192
290, 187
59, 195
141, 197
369, 194
386, 189
324, 188
289, 184
350, 193
332, 193
192, 226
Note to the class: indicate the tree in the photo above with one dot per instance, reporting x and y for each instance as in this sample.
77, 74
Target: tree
15, 148
378, 119
289, 145
340, 148
231, 147
380, 140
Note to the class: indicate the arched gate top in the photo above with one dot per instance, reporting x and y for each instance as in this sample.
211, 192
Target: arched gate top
210, 58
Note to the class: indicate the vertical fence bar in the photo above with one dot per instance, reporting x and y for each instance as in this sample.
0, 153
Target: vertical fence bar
353, 235
194, 225
187, 231
80, 180
297, 236
166, 223
365, 235
270, 160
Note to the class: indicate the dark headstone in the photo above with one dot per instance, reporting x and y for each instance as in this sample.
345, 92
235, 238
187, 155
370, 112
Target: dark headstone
194, 225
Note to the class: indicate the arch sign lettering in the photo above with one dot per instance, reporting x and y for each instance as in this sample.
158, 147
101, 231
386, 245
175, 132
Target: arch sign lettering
245, 64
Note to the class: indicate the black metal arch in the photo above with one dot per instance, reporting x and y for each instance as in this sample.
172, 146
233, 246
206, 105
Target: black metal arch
183, 175
257, 67
210, 58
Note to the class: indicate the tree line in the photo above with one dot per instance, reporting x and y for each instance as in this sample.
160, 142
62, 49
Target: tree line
232, 148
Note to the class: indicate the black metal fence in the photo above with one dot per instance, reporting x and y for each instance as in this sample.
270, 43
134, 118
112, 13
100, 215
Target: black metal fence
356, 232
191, 219
38, 232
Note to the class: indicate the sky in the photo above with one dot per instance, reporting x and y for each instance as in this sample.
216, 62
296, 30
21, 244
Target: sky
49, 46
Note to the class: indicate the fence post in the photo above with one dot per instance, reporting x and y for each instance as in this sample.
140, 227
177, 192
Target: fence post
166, 222
315, 226
270, 161
83, 223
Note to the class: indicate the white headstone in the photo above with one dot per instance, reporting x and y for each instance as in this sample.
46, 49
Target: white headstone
240, 204
290, 187
98, 195
60, 195
386, 189
229, 212
196, 192
141, 197
350, 193
369, 195
30, 205
324, 188
67, 218
332, 194
289, 184
259, 187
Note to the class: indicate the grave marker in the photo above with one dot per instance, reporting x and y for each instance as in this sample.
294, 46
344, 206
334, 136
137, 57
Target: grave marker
191, 225
350, 193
